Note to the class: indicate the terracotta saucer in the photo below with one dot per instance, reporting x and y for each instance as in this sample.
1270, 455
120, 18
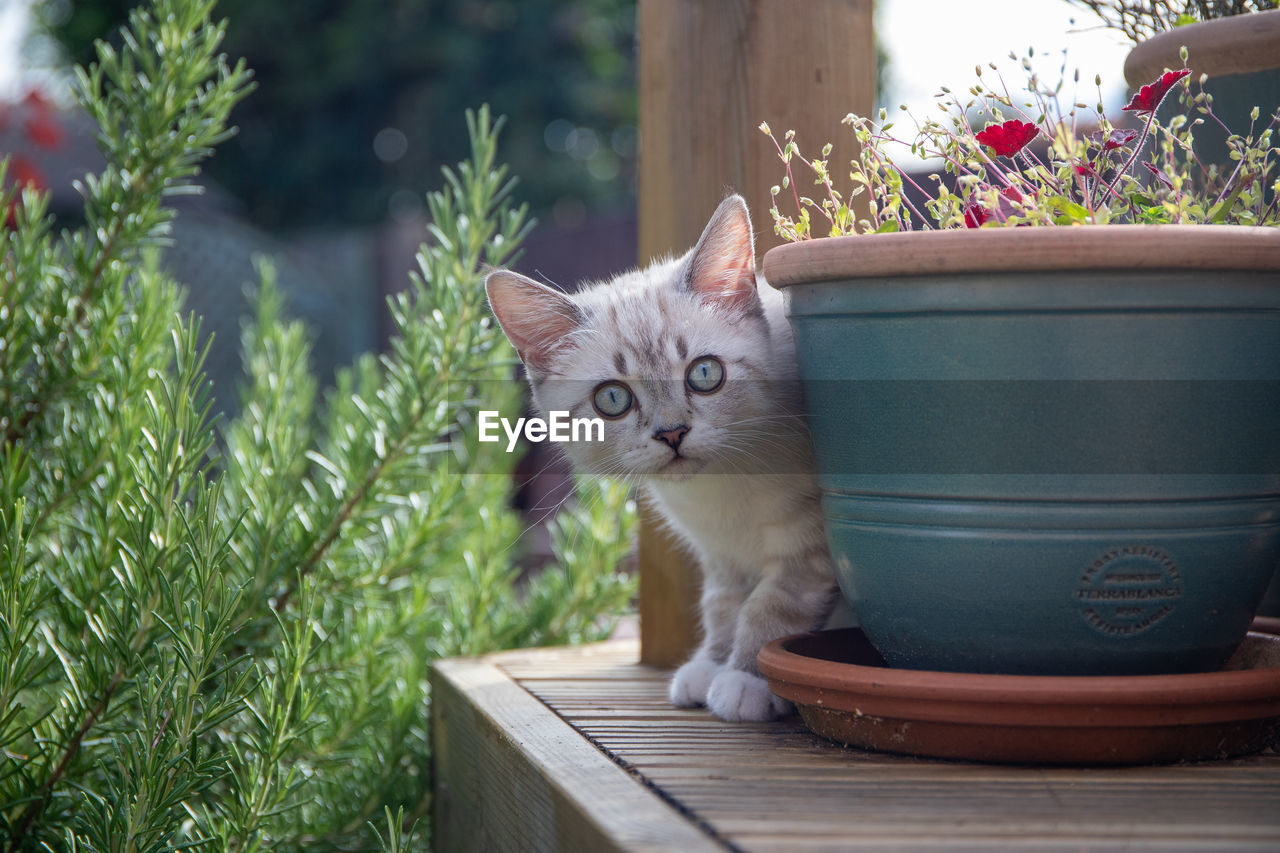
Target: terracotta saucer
844, 692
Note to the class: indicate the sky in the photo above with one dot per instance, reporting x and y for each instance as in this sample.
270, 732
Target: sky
12, 27
934, 43
931, 43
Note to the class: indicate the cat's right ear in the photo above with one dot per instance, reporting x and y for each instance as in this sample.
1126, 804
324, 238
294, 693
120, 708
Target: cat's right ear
722, 266
537, 319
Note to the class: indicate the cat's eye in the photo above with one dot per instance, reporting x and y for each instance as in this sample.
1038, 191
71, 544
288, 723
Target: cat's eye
705, 374
612, 399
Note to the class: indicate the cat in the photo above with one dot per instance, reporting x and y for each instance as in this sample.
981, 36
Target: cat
691, 365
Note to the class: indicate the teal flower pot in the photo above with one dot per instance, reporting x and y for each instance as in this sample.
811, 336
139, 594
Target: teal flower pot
1046, 450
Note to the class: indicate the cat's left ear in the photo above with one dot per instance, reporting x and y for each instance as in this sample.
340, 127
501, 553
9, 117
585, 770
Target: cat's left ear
722, 266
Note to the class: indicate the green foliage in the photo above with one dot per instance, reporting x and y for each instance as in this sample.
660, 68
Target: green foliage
219, 638
335, 74
996, 176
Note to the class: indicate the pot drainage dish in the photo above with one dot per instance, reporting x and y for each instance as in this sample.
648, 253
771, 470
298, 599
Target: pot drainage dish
845, 692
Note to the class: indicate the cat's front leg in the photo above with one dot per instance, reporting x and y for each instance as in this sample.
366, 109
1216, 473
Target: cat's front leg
790, 600
723, 595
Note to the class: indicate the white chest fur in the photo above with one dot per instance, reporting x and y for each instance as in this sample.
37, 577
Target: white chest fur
747, 521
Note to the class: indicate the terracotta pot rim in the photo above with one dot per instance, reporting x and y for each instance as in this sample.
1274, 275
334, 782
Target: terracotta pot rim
951, 252
776, 662
1240, 44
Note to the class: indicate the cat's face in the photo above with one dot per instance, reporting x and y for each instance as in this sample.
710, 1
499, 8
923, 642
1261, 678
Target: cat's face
673, 358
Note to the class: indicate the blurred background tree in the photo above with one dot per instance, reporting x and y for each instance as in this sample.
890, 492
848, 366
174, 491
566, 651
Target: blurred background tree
355, 96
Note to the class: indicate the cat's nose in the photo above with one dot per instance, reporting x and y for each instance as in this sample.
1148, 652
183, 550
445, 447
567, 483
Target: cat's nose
671, 436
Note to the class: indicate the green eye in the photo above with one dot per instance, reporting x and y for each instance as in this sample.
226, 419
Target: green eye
705, 375
612, 399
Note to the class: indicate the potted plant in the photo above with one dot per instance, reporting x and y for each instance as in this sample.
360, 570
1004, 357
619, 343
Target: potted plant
1233, 44
1047, 450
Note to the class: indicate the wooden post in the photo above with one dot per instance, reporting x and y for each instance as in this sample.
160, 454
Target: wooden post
710, 72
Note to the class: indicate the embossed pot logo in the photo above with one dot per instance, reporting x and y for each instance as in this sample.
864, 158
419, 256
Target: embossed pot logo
1127, 590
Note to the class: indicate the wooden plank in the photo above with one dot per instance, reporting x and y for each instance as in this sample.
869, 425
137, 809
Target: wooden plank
709, 72
775, 786
905, 843
669, 591
511, 775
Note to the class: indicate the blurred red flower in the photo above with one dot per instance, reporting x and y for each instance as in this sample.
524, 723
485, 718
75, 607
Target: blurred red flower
22, 173
40, 124
1113, 140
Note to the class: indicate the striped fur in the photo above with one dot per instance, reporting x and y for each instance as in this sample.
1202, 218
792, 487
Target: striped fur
738, 489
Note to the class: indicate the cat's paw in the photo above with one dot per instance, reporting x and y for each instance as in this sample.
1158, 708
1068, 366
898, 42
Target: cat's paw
736, 696
690, 683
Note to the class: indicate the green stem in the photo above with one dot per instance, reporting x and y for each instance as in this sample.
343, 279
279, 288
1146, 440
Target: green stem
73, 748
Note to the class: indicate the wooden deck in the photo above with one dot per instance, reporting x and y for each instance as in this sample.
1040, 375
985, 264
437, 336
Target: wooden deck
578, 750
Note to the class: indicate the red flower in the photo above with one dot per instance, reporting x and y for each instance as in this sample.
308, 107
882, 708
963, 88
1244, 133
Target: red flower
22, 173
1087, 170
43, 131
1158, 175
1150, 95
1008, 201
36, 100
41, 126
1009, 138
1113, 140
974, 215
1011, 193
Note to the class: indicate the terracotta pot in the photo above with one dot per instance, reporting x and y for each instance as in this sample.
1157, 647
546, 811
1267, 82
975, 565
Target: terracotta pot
1240, 44
1046, 450
845, 693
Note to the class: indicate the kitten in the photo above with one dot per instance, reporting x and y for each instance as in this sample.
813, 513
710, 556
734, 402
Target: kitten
690, 363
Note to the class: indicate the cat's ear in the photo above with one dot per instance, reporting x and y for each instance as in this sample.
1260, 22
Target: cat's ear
538, 319
722, 266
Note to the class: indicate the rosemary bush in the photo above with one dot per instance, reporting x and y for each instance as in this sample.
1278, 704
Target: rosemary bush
217, 638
